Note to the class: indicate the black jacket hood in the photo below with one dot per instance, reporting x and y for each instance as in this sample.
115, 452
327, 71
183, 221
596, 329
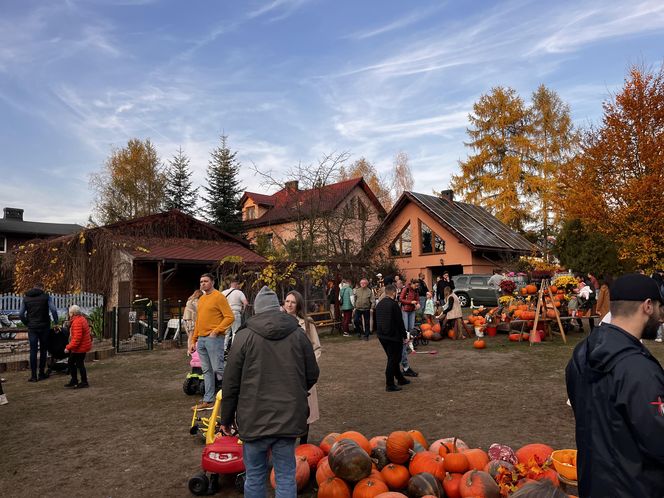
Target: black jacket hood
605, 346
34, 292
273, 325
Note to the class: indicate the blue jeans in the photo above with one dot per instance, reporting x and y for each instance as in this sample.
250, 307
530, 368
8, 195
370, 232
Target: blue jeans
37, 338
211, 353
404, 357
283, 460
408, 320
361, 315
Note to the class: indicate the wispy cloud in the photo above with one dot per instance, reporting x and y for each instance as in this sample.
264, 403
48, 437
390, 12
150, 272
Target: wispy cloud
280, 8
394, 25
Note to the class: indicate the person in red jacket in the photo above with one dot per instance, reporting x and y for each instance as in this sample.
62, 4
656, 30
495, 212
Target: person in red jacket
80, 342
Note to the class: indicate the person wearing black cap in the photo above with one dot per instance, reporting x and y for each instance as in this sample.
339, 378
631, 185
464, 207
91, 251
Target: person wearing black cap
616, 389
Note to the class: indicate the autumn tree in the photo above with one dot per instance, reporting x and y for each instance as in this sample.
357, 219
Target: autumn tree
615, 185
496, 174
180, 193
367, 170
402, 177
222, 203
131, 184
554, 142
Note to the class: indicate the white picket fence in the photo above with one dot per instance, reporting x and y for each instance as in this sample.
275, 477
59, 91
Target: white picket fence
11, 303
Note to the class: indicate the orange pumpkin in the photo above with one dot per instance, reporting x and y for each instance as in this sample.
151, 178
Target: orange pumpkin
311, 452
358, 438
323, 471
427, 334
426, 461
456, 462
391, 494
375, 474
396, 476
477, 458
399, 445
436, 328
549, 474
451, 334
531, 289
369, 488
524, 291
479, 484
302, 473
334, 488
537, 451
550, 314
328, 441
553, 289
418, 437
451, 485
479, 344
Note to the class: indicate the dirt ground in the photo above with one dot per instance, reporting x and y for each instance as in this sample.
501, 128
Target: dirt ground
128, 434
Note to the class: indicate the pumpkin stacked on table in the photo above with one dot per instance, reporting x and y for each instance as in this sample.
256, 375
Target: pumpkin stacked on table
403, 465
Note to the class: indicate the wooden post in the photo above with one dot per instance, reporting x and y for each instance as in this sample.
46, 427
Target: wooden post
537, 311
160, 298
560, 325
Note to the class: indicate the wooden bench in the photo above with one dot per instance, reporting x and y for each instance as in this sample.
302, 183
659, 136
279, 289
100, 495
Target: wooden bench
323, 319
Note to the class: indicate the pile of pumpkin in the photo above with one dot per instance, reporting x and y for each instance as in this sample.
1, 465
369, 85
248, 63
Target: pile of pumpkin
431, 332
404, 465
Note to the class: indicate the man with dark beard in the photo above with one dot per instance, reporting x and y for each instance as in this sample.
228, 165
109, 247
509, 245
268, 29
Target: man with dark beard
616, 388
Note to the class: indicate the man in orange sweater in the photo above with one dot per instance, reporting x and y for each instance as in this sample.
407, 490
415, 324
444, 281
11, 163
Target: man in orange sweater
213, 319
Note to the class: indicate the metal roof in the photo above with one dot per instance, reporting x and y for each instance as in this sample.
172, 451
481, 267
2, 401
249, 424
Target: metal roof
36, 228
191, 250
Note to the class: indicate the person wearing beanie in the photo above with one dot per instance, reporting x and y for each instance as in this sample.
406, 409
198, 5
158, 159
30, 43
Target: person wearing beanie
616, 389
271, 368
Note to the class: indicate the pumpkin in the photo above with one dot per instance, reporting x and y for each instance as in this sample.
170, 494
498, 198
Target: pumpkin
477, 458
531, 289
429, 462
425, 326
437, 336
417, 447
375, 474
524, 291
424, 484
448, 442
549, 474
369, 488
536, 451
327, 442
302, 473
436, 328
379, 457
323, 471
348, 461
398, 446
479, 344
333, 488
494, 466
479, 484
391, 494
358, 438
451, 334
418, 437
553, 289
377, 442
456, 462
451, 485
396, 476
427, 334
524, 336
311, 452
550, 313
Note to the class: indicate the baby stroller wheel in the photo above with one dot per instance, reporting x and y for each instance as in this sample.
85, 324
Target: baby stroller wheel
239, 482
198, 485
190, 386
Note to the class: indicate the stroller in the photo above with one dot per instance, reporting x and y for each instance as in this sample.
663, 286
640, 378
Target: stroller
58, 360
194, 382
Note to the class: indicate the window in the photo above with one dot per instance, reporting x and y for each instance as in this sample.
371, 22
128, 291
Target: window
362, 212
431, 242
3, 245
402, 245
349, 210
347, 245
250, 213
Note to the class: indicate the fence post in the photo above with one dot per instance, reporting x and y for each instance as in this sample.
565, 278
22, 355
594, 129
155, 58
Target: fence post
150, 318
180, 322
116, 339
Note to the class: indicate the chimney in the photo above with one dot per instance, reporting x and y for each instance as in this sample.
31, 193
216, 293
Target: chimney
447, 195
292, 185
13, 214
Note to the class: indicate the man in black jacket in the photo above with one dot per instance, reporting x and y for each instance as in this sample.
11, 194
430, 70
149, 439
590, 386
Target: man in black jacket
392, 335
270, 369
616, 388
34, 312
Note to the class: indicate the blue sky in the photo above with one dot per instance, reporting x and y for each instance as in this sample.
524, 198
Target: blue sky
287, 80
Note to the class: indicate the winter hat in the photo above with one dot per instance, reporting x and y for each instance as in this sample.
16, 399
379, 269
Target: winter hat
266, 300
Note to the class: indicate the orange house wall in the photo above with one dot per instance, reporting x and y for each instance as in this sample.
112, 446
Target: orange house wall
456, 252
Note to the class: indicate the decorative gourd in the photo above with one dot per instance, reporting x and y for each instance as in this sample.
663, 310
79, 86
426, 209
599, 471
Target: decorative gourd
451, 485
302, 473
327, 442
418, 437
379, 457
477, 458
479, 344
396, 476
378, 442
369, 488
424, 484
536, 451
502, 452
311, 452
429, 462
494, 466
358, 438
478, 484
323, 471
349, 461
398, 446
333, 488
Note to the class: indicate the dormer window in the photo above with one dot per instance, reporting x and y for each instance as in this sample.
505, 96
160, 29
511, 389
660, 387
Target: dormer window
250, 213
403, 244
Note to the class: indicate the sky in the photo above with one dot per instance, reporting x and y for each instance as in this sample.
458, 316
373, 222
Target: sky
288, 81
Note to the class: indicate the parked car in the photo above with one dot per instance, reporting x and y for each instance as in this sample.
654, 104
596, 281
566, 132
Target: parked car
475, 287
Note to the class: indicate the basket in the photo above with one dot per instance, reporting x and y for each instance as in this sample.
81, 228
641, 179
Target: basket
566, 470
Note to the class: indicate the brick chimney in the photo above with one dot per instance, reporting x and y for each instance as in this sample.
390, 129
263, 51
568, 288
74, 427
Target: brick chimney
13, 214
292, 185
447, 195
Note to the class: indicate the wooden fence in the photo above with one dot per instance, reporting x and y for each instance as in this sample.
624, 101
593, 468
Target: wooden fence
11, 303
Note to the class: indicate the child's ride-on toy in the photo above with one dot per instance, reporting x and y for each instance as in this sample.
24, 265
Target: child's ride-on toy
194, 383
222, 455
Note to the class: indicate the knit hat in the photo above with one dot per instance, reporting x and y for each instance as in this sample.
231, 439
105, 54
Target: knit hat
266, 300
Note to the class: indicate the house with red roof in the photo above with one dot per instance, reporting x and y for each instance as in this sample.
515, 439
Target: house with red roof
332, 220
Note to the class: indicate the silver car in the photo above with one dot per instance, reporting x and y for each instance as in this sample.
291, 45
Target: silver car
475, 287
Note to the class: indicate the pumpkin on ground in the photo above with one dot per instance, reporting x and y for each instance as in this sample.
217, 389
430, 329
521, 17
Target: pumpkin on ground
427, 334
451, 485
448, 442
391, 494
479, 344
358, 438
478, 484
549, 474
327, 442
311, 452
436, 328
425, 326
424, 484
369, 488
323, 471
348, 461
396, 476
454, 460
429, 462
399, 445
334, 488
302, 473
418, 437
477, 458
536, 451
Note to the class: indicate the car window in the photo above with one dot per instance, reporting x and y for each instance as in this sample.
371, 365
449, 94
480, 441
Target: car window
477, 281
461, 281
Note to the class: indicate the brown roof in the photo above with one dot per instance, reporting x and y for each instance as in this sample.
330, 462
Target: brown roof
203, 251
324, 199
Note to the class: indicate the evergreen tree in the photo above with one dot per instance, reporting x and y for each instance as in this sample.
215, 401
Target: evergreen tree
223, 190
179, 191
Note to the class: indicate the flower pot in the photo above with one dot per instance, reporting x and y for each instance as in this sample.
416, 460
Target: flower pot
491, 331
